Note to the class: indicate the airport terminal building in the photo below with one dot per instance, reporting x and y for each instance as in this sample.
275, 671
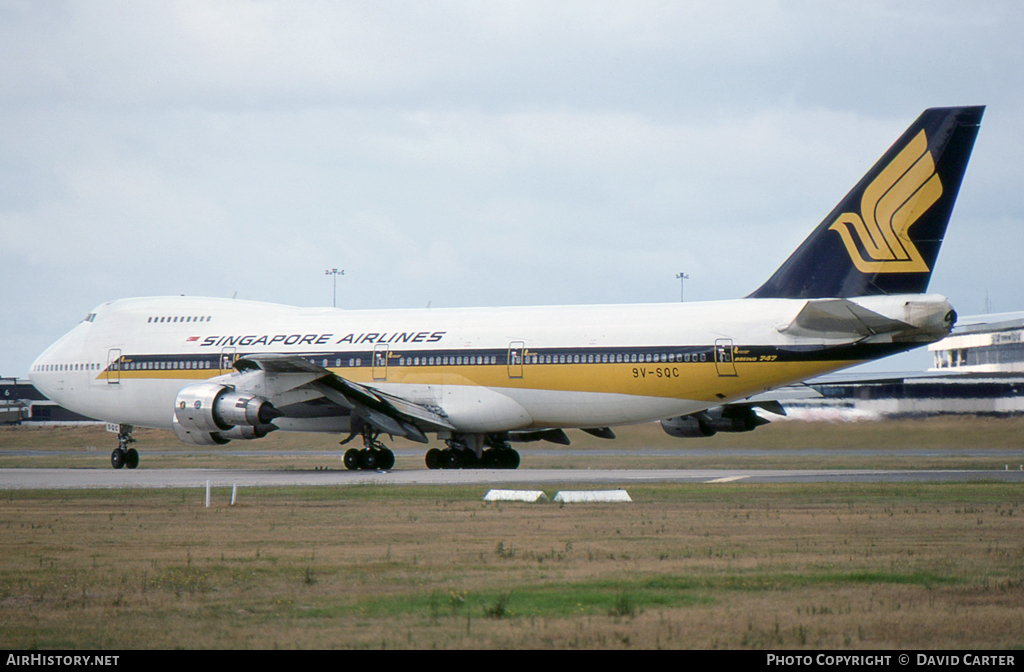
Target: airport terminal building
978, 369
996, 347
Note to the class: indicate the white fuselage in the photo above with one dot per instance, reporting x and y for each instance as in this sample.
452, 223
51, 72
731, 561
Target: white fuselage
484, 369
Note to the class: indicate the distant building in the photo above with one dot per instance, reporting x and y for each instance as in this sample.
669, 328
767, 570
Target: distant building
22, 403
913, 395
978, 369
996, 346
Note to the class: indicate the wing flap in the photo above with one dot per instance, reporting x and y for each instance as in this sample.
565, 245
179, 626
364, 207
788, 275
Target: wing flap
273, 363
385, 412
382, 402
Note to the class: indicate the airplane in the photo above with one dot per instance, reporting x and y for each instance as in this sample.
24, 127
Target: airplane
481, 379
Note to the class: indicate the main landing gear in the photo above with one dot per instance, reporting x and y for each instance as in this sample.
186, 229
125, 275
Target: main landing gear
374, 455
123, 456
469, 452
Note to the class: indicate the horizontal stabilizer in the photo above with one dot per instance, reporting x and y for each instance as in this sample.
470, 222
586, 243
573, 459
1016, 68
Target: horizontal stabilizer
839, 318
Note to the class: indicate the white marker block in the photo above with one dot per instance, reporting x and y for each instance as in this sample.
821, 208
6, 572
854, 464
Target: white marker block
571, 496
515, 496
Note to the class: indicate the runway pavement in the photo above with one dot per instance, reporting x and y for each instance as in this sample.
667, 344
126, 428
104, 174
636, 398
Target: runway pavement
30, 479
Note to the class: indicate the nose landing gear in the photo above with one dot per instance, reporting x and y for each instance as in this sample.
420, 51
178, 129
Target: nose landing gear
123, 456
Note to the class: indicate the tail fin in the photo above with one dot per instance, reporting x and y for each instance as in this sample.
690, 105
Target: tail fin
884, 237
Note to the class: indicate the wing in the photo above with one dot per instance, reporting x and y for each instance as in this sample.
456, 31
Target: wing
281, 378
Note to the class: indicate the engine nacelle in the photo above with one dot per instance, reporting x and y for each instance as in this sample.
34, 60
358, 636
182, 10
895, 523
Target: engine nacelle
195, 437
686, 427
247, 432
211, 407
733, 418
730, 418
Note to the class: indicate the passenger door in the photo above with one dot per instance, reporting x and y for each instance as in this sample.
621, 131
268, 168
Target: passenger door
114, 366
515, 359
723, 357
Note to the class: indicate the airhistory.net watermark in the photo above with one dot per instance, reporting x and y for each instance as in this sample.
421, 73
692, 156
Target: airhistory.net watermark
66, 661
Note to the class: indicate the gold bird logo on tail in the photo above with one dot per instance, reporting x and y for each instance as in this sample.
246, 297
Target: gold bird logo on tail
890, 205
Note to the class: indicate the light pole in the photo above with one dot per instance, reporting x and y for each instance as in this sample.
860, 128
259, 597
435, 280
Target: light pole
683, 277
335, 272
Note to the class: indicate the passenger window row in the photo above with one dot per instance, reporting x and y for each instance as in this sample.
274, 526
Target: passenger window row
471, 360
462, 360
476, 360
162, 366
47, 368
616, 358
156, 320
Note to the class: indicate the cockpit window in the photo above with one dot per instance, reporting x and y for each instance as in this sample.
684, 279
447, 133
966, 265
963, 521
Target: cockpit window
89, 318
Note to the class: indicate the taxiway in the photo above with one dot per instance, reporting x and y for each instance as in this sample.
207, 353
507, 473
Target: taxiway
43, 479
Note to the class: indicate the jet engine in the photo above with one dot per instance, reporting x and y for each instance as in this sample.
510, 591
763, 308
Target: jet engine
195, 437
687, 426
212, 414
729, 418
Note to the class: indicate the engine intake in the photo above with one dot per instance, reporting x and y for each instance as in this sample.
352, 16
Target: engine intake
212, 408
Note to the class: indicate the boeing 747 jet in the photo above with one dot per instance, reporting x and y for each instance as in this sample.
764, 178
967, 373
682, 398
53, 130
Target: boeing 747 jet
483, 379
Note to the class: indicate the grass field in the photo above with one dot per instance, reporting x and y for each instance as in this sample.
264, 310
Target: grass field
693, 566
684, 566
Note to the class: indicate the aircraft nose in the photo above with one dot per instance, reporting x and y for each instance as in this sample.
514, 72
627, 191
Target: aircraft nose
37, 366
54, 367
37, 374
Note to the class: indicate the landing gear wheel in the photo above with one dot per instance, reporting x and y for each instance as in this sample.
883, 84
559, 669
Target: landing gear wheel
468, 460
500, 458
374, 455
433, 458
117, 458
131, 458
510, 460
368, 459
450, 459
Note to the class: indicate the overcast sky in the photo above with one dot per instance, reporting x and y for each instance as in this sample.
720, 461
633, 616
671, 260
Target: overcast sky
476, 153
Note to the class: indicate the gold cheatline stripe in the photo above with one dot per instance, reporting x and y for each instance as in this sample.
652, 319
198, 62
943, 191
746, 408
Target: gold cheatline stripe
694, 381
